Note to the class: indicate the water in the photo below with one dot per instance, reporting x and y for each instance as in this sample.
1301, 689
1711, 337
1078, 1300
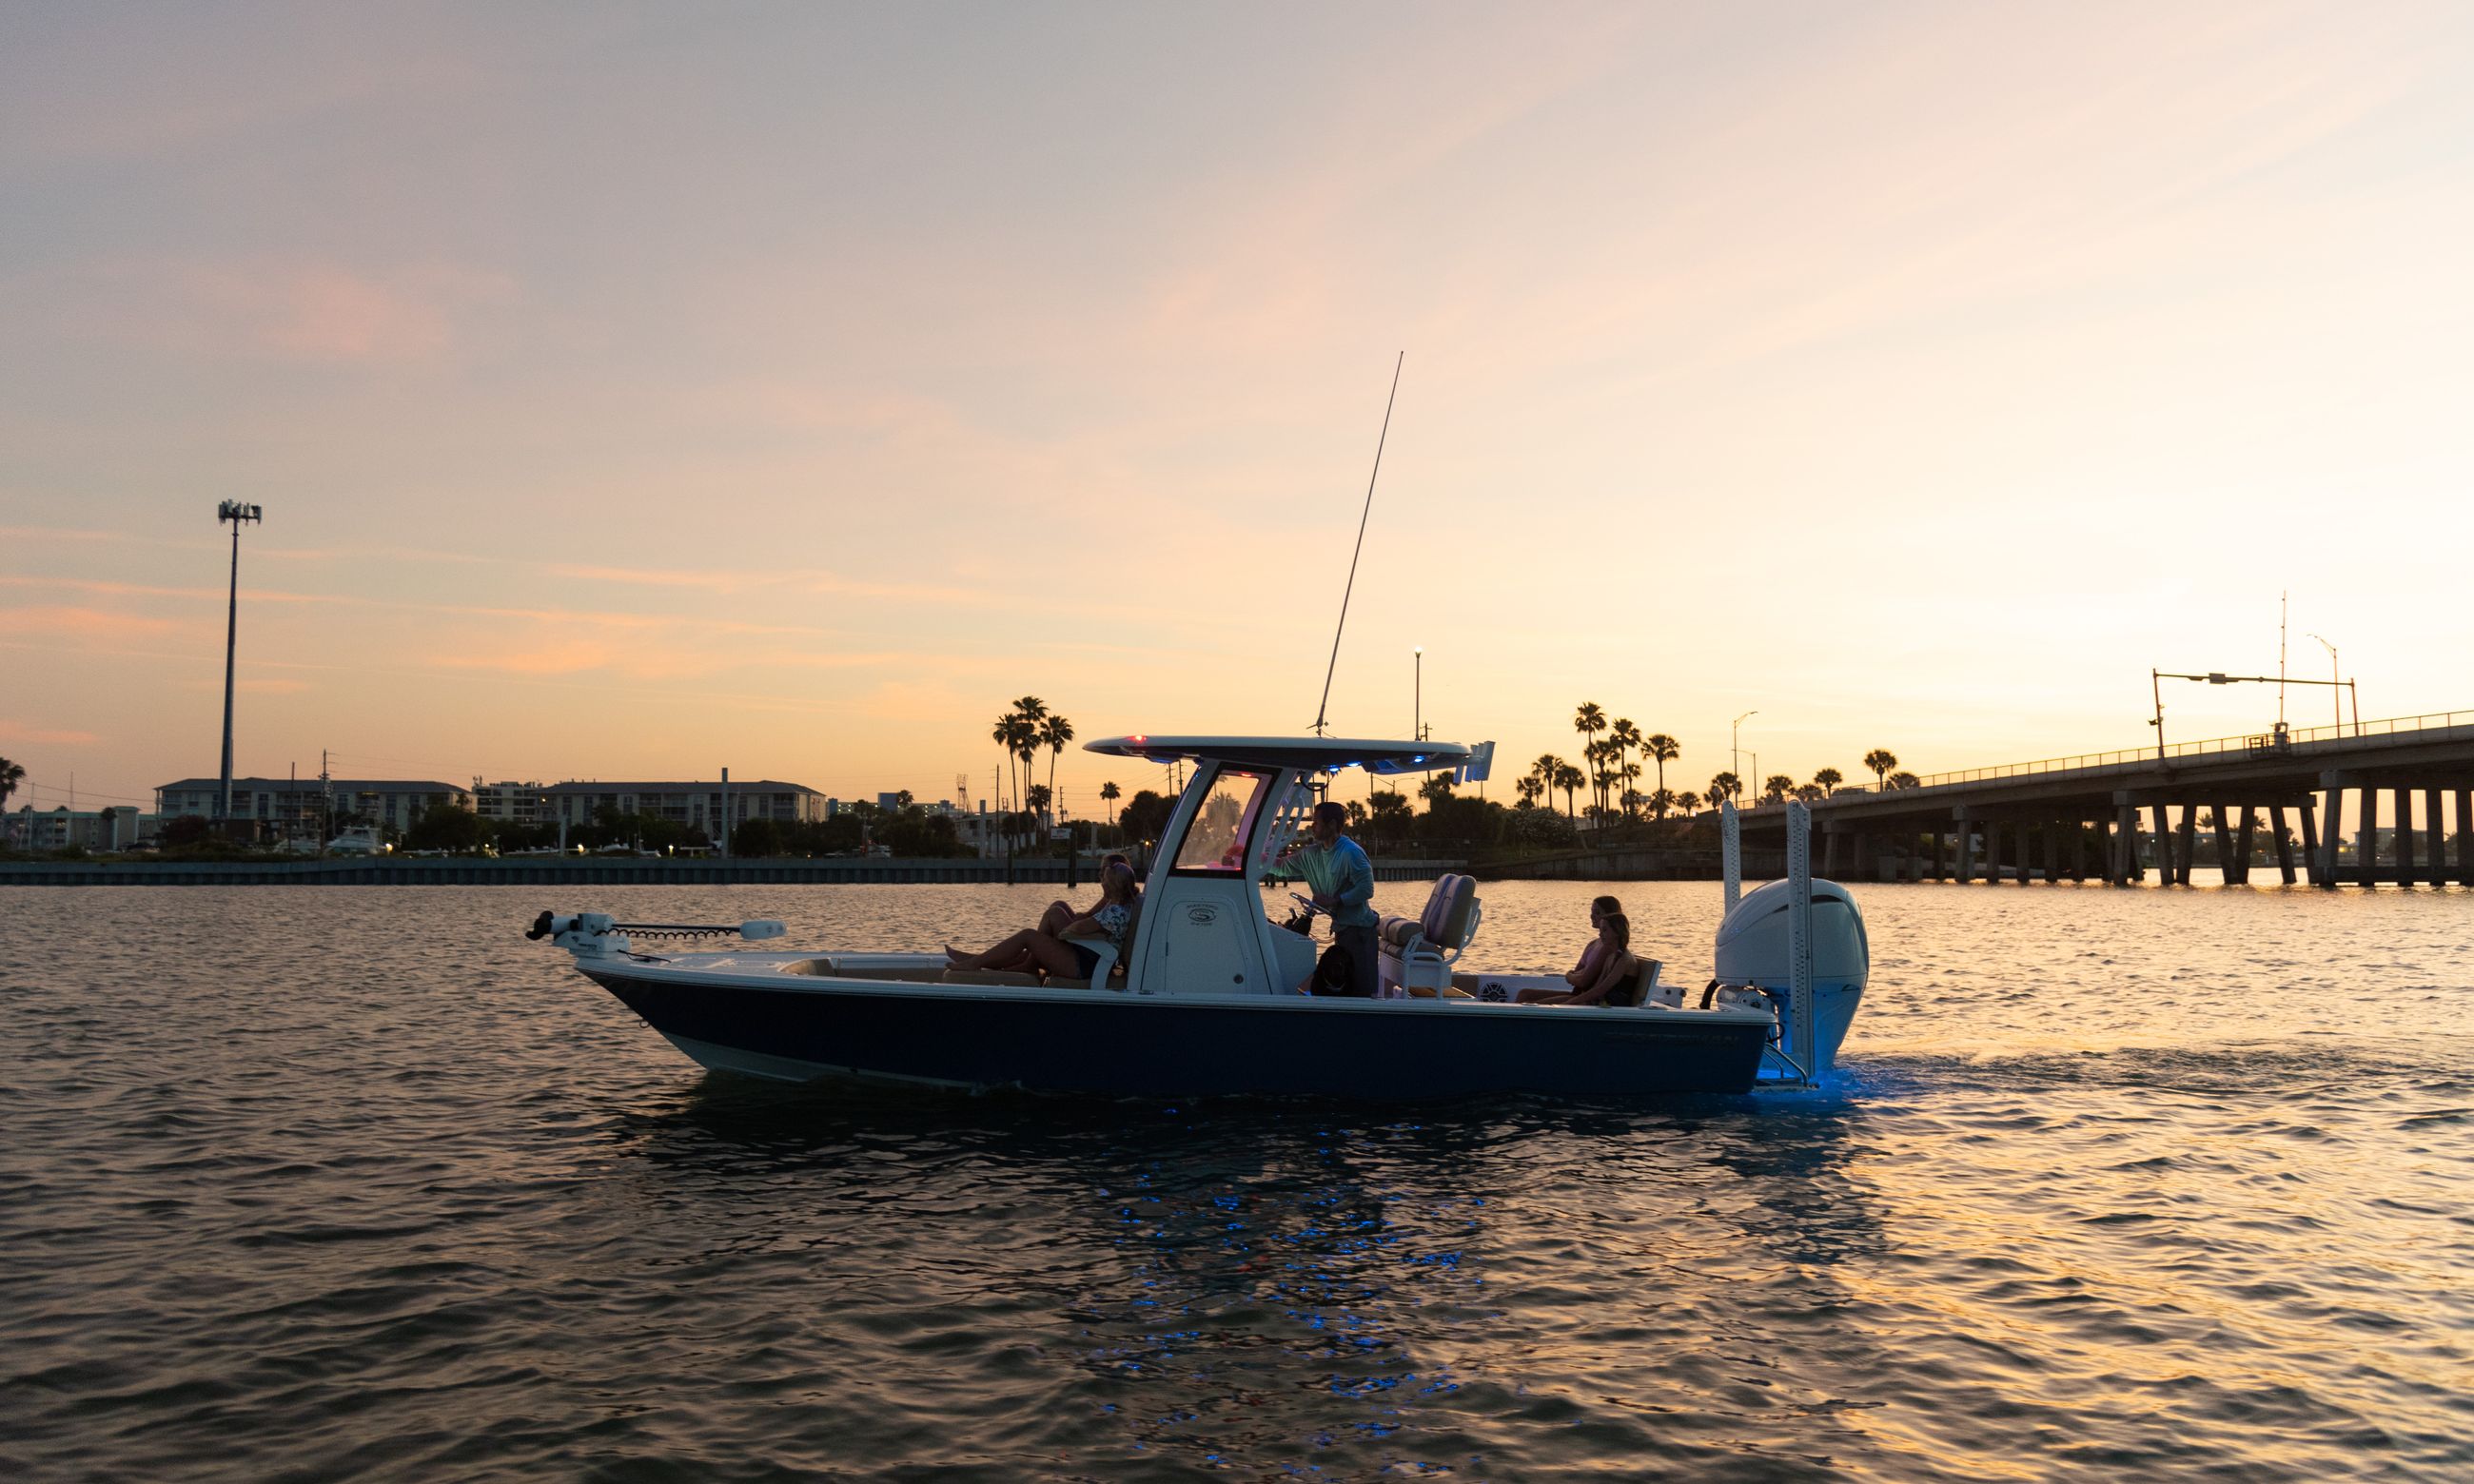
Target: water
352, 1183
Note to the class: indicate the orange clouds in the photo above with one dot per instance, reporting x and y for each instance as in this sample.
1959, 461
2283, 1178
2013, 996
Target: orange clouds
19, 731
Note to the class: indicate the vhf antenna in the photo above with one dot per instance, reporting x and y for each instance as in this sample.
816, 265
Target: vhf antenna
1342, 625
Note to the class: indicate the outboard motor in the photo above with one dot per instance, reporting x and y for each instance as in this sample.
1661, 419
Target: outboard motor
1753, 950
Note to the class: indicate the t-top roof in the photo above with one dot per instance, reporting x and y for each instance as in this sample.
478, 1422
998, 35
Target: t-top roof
1330, 753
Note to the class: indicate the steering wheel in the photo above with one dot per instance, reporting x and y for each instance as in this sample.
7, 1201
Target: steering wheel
1311, 906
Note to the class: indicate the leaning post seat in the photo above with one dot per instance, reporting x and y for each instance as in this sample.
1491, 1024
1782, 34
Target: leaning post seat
1418, 952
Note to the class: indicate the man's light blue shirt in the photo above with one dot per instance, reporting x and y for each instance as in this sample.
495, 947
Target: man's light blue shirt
1345, 874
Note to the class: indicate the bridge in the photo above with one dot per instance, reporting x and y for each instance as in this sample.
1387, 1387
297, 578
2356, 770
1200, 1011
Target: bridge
2079, 817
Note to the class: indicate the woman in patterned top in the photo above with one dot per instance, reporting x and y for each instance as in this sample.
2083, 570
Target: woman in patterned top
1062, 954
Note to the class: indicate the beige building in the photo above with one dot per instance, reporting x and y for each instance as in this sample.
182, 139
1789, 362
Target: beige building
511, 803
297, 807
696, 804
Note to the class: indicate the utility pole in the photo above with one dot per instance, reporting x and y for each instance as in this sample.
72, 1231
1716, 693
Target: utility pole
1417, 696
238, 515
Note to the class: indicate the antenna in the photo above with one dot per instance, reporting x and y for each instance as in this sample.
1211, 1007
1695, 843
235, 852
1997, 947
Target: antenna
1337, 629
2280, 661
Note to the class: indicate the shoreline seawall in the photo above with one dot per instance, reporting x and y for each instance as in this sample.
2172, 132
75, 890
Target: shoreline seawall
584, 871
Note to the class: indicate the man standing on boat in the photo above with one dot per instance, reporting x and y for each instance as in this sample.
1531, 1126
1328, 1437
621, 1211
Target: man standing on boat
1342, 879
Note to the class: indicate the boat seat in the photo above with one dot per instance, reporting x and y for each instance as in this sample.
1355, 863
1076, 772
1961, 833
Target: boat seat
1645, 990
1418, 952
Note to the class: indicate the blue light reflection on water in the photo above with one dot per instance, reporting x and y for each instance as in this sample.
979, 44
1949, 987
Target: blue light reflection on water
2145, 1184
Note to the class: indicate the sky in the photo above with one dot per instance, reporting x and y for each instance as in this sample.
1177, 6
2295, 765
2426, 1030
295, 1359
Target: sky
634, 390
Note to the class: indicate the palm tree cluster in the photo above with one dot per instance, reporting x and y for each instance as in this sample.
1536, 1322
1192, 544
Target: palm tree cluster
1022, 733
1611, 771
1778, 787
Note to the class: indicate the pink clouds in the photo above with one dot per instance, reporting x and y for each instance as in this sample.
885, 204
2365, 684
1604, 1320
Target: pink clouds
310, 312
327, 315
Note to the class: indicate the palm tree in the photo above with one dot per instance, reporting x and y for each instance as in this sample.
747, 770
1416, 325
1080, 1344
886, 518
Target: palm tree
1019, 735
1776, 787
1054, 730
1025, 750
1568, 779
1828, 778
1689, 802
1002, 733
1588, 721
1661, 750
903, 798
1905, 780
1811, 792
1724, 787
1625, 736
1109, 793
1030, 712
1530, 788
1881, 761
11, 774
1437, 788
1545, 769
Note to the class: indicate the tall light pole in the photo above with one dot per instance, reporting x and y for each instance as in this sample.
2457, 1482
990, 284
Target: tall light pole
239, 514
2335, 674
1735, 750
1418, 695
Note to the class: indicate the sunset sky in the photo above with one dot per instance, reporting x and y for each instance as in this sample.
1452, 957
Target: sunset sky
638, 390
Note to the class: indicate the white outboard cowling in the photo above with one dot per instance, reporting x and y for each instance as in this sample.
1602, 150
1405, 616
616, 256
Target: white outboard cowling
1753, 950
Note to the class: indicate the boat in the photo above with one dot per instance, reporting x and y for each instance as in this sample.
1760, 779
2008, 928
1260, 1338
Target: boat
1207, 1000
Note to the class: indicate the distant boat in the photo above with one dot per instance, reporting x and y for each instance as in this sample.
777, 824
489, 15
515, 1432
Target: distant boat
1207, 998
358, 841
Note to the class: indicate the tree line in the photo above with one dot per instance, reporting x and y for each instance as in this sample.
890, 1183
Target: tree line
1608, 771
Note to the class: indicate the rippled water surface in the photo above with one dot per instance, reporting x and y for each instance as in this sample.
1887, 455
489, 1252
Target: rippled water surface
353, 1183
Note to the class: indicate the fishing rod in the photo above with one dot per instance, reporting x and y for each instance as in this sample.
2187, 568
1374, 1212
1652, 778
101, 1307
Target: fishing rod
1340, 626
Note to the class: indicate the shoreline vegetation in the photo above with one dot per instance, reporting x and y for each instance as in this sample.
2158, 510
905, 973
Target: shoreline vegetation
1657, 833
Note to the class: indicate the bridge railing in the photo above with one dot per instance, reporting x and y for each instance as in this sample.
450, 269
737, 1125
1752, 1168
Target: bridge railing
2263, 744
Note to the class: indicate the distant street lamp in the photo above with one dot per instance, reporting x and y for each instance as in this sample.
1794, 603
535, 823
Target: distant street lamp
2336, 672
1734, 751
239, 514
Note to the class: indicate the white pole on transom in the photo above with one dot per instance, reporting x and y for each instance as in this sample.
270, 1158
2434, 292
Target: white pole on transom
1798, 936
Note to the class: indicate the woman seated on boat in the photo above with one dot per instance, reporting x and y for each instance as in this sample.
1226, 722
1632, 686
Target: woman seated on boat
1584, 974
1061, 912
1063, 953
1615, 968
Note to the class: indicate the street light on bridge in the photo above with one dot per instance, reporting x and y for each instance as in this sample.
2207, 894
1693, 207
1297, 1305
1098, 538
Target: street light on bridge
2155, 678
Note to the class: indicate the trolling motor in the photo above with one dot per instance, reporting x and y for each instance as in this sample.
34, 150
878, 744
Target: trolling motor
594, 935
